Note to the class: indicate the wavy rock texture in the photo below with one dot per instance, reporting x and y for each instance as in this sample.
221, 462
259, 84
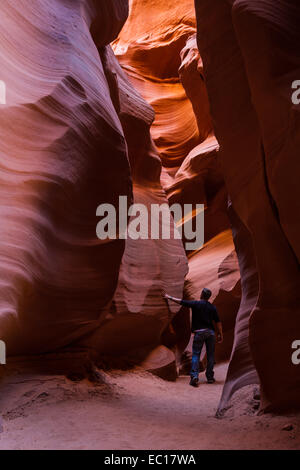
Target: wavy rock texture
199, 180
192, 79
75, 134
158, 50
149, 50
148, 266
257, 127
56, 129
241, 370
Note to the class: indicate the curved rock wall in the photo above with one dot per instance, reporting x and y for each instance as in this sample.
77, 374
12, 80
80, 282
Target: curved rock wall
149, 48
158, 50
257, 128
138, 315
57, 128
75, 133
67, 145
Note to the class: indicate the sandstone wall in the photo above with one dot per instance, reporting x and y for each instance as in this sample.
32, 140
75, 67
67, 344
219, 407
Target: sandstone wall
75, 134
157, 48
257, 127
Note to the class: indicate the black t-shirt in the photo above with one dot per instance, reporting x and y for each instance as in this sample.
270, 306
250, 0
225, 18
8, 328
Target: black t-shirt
203, 314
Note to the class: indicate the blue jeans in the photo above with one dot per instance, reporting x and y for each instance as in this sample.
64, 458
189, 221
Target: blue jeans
208, 337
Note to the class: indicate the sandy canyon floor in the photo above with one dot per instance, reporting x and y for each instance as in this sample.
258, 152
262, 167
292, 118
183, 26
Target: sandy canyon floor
135, 410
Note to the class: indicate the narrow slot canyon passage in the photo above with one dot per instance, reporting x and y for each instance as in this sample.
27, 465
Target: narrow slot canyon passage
109, 108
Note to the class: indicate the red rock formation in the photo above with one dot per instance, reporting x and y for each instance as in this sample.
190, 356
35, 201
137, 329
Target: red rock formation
149, 48
192, 79
56, 129
148, 266
75, 134
241, 370
257, 127
157, 48
199, 180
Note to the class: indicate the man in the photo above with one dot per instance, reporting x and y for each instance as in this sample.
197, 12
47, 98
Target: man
204, 316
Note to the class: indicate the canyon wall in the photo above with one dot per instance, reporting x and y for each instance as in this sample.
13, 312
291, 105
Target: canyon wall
74, 135
167, 125
240, 88
249, 50
158, 50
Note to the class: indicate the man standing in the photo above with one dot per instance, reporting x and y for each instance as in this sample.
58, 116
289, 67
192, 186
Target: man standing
204, 316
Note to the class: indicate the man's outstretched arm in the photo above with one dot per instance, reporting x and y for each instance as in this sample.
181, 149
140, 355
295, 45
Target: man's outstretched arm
186, 303
174, 299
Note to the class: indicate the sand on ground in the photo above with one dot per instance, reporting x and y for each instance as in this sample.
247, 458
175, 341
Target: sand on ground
135, 410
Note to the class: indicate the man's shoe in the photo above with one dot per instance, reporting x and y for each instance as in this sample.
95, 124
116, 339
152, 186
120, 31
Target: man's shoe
194, 382
211, 381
